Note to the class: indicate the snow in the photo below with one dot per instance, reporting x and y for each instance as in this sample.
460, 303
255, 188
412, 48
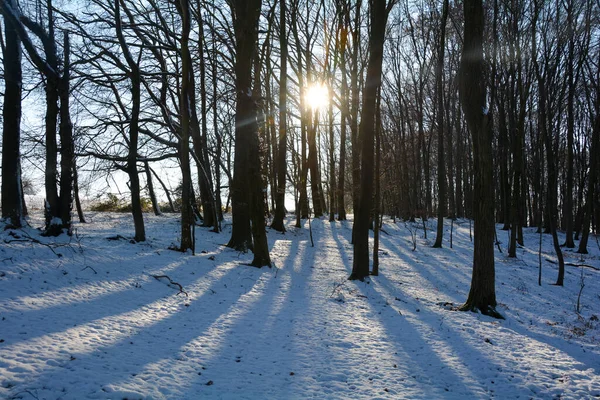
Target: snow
91, 321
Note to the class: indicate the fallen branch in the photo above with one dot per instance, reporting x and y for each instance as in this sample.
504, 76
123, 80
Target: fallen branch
575, 265
29, 238
116, 237
171, 282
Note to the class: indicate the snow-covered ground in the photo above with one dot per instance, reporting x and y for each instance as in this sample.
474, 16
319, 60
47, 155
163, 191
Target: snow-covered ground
83, 317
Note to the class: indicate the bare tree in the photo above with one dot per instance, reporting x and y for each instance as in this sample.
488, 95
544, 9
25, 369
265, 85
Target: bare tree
482, 295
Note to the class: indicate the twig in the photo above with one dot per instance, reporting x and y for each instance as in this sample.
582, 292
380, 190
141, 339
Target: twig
171, 282
95, 272
581, 286
337, 287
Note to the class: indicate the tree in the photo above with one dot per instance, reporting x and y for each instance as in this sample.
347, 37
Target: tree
248, 229
379, 12
185, 105
472, 90
281, 169
135, 79
57, 209
440, 121
12, 206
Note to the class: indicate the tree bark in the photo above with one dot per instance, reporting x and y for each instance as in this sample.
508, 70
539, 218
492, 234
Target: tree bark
360, 264
472, 89
67, 147
12, 206
132, 172
281, 169
439, 71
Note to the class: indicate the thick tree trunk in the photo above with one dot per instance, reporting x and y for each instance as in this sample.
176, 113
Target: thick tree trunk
12, 206
247, 191
482, 295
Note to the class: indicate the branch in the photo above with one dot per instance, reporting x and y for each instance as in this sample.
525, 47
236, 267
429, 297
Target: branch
171, 282
575, 265
14, 18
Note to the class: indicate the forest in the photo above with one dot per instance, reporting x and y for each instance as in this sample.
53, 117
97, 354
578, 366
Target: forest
471, 126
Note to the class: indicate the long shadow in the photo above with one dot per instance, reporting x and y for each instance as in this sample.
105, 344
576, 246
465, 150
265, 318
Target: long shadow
398, 334
126, 297
56, 273
523, 333
139, 338
443, 278
266, 350
456, 357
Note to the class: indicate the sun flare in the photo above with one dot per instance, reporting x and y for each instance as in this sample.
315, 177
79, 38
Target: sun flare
317, 96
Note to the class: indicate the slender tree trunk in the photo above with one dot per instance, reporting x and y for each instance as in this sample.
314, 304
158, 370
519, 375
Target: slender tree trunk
343, 32
165, 189
332, 189
313, 164
593, 174
544, 123
187, 197
67, 147
439, 71
151, 192
354, 108
52, 207
281, 169
568, 206
134, 180
377, 208
80, 214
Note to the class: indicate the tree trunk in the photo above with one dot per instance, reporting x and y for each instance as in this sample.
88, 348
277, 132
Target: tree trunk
354, 108
247, 199
80, 214
343, 15
360, 264
67, 147
439, 71
593, 175
12, 206
151, 192
472, 89
278, 220
187, 241
134, 180
313, 164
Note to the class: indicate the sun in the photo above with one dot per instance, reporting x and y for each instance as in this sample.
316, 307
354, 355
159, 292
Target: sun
316, 96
